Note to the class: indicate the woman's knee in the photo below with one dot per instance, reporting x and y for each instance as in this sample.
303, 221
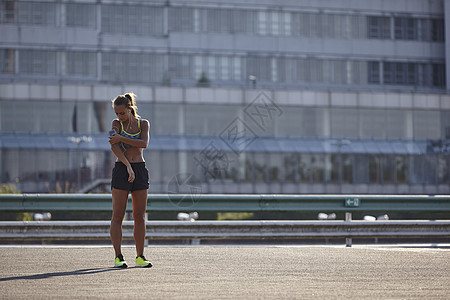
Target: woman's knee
117, 218
139, 216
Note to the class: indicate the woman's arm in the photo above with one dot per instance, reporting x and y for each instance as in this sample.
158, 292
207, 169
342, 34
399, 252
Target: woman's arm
139, 143
116, 149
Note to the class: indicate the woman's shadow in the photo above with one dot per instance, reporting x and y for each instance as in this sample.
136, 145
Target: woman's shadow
58, 274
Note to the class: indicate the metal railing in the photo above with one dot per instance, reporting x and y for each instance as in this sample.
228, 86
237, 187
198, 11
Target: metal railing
230, 202
348, 229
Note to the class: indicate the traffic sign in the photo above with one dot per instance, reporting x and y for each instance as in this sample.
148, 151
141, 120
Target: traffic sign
352, 202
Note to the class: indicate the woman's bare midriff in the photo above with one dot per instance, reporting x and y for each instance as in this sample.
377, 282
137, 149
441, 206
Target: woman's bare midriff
134, 154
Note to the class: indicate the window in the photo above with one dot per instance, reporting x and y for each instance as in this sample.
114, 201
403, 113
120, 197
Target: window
443, 169
372, 123
426, 124
374, 72
81, 15
401, 167
289, 163
262, 22
344, 122
259, 67
374, 169
437, 30
362, 169
180, 67
132, 67
7, 61
388, 169
132, 20
7, 12
38, 62
36, 13
438, 75
397, 124
83, 64
400, 73
181, 19
406, 28
378, 27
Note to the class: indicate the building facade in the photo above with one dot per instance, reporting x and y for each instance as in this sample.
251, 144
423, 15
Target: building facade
243, 96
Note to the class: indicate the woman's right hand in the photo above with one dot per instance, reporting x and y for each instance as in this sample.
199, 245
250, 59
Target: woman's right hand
131, 174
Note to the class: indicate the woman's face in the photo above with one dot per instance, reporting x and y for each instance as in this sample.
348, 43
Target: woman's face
122, 112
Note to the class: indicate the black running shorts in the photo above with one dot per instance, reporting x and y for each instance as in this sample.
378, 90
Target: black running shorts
120, 177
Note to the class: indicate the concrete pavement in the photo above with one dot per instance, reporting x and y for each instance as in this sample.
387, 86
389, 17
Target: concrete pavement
227, 272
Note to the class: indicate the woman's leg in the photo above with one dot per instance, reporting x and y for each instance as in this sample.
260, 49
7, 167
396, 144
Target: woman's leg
139, 208
119, 200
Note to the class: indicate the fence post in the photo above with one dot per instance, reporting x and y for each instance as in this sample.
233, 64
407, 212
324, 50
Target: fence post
348, 218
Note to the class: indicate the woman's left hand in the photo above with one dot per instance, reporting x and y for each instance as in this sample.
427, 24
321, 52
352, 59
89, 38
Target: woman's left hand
114, 139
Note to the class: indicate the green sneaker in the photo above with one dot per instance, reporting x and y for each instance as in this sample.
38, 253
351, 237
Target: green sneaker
141, 261
120, 262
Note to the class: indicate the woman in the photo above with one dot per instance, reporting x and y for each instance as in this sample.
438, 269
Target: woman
128, 138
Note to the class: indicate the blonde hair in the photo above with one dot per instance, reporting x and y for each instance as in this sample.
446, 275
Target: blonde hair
129, 100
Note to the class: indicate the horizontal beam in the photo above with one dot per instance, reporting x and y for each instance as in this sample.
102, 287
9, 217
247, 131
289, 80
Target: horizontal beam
82, 230
230, 202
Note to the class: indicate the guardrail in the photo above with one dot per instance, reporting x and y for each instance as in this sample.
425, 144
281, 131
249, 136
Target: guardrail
230, 203
88, 230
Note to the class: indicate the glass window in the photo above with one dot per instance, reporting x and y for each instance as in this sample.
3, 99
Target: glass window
402, 169
290, 160
362, 167
406, 28
445, 124
344, 122
212, 119
333, 168
81, 15
181, 19
7, 61
37, 62
7, 12
83, 64
317, 165
276, 172
443, 169
259, 67
400, 73
166, 118
416, 169
135, 20
133, 67
426, 124
437, 30
347, 168
438, 75
262, 22
311, 168
170, 169
397, 121
374, 72
36, 13
374, 169
430, 169
260, 167
388, 169
378, 27
373, 123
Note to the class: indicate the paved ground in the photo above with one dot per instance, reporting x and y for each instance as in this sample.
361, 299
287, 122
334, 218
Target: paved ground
231, 272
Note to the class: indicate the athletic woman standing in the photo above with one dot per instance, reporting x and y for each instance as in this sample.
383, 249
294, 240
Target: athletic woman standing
128, 138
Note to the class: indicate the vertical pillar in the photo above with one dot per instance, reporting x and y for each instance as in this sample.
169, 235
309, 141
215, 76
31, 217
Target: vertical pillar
348, 218
447, 43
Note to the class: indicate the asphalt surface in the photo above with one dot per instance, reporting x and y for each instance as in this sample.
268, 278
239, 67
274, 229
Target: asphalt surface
227, 272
